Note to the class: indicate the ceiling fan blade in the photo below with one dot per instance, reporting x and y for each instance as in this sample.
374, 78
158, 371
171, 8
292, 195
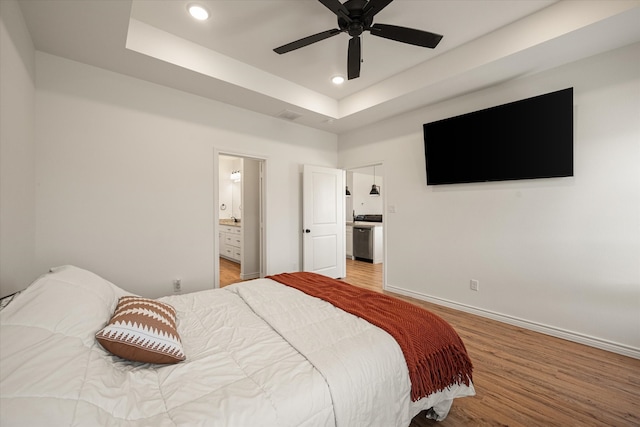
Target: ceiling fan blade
353, 58
406, 35
338, 8
306, 41
375, 6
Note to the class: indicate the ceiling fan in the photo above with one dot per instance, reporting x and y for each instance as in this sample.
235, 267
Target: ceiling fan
356, 16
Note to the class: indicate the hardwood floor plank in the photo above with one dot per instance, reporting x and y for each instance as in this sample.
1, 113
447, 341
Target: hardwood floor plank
229, 272
525, 378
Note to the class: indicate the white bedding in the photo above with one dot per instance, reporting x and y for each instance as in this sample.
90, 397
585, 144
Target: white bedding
258, 353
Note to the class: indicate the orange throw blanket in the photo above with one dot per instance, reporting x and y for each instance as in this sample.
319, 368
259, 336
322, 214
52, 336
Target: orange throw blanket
435, 354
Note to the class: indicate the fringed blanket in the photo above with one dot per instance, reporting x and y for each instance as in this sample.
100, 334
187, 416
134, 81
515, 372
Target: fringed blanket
435, 354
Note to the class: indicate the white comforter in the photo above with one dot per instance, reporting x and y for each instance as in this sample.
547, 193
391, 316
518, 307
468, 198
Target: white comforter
258, 354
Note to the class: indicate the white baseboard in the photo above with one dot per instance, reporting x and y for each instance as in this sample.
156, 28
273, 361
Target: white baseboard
526, 324
248, 276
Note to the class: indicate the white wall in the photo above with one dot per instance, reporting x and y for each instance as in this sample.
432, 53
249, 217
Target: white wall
125, 176
362, 202
559, 255
17, 184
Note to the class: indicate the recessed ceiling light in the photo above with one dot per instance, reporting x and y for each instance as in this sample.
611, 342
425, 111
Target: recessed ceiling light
198, 12
337, 80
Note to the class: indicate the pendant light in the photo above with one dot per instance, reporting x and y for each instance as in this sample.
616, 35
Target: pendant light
375, 189
347, 193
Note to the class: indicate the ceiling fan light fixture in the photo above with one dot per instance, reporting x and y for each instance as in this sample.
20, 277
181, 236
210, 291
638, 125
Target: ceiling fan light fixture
337, 80
198, 12
355, 17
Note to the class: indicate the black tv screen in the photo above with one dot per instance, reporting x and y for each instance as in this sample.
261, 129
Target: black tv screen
530, 138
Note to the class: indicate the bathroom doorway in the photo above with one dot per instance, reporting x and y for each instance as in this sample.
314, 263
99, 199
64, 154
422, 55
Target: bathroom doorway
239, 220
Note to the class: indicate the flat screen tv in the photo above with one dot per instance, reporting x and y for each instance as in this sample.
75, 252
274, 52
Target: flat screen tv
526, 139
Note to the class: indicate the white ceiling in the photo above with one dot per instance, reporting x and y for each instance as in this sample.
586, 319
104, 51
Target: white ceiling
229, 57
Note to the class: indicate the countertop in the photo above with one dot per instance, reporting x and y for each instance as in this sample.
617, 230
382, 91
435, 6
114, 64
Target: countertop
229, 221
365, 224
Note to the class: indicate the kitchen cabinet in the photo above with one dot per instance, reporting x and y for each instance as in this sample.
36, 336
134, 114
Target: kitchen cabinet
349, 241
231, 242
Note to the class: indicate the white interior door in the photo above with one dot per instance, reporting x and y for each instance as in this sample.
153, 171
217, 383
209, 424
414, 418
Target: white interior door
250, 264
323, 224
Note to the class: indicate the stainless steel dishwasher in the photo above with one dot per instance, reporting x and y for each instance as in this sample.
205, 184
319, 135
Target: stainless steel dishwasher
363, 243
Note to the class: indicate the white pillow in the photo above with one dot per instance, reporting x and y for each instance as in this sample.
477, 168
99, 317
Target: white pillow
68, 300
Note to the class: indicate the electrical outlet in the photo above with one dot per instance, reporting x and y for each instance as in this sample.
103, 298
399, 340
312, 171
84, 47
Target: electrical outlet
177, 286
474, 285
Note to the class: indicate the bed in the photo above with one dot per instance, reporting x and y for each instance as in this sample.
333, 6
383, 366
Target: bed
255, 353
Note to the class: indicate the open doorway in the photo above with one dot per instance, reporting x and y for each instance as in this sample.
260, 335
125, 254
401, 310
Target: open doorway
239, 219
365, 229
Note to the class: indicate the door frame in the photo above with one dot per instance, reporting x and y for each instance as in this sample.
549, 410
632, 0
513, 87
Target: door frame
216, 203
383, 194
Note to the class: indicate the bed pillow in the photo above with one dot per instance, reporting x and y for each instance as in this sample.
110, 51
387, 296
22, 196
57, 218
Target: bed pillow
143, 330
69, 301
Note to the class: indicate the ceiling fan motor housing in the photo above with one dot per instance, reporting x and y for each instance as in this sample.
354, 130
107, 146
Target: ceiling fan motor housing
359, 21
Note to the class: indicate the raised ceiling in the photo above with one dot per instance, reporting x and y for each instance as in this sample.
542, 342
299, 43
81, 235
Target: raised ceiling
230, 57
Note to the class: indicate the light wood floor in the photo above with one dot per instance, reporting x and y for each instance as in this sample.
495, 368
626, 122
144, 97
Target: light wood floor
524, 378
229, 272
